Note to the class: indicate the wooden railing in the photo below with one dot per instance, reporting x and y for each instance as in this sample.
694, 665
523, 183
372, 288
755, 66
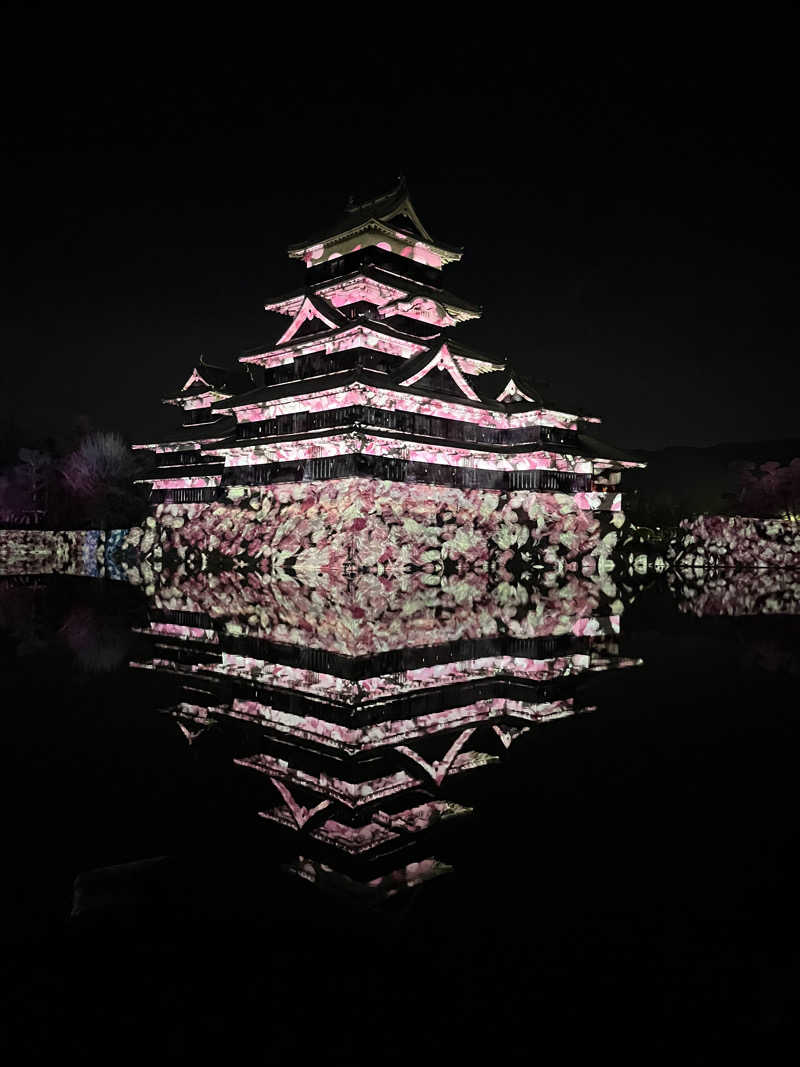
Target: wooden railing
406, 422
400, 470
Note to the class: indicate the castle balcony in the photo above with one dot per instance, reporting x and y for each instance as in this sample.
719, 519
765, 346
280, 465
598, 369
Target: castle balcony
354, 465
407, 422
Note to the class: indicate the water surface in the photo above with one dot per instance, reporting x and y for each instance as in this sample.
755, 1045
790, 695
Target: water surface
625, 872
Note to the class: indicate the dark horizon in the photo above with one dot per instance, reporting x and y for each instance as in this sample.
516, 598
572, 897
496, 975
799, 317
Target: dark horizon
628, 230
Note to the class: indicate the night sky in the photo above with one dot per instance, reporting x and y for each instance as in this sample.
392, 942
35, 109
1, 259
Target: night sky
630, 226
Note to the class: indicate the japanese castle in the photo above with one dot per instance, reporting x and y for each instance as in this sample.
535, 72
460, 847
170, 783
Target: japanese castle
361, 722
368, 380
375, 559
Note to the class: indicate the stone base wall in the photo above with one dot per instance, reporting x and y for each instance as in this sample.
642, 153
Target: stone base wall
75, 552
731, 592
387, 527
714, 541
337, 554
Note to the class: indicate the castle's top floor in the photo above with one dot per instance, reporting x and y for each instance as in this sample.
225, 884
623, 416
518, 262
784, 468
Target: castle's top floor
388, 222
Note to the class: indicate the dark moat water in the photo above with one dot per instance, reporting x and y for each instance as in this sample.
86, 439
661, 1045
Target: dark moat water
624, 878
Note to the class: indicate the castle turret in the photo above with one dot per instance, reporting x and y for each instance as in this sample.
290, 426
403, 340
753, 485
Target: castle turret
370, 379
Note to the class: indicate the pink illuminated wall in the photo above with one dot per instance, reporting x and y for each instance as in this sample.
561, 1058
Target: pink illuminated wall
362, 290
75, 552
185, 483
354, 739
711, 541
404, 878
434, 565
420, 308
443, 360
390, 300
394, 400
737, 592
198, 400
380, 236
306, 312
247, 455
403, 537
355, 794
251, 590
339, 341
512, 392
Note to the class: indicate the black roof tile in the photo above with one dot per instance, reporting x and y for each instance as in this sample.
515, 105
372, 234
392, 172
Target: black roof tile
385, 277
380, 208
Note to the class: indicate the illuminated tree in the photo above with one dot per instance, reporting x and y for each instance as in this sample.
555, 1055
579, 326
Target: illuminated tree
25, 488
100, 473
36, 466
771, 490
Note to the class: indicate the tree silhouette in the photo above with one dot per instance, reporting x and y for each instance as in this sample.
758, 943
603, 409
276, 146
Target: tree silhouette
771, 490
100, 473
25, 488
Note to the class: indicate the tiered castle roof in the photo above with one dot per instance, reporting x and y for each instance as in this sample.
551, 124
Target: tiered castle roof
388, 221
358, 750
368, 367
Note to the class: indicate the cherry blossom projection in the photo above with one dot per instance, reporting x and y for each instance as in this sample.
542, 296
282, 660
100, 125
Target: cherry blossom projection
307, 733
206, 385
359, 289
367, 652
389, 294
308, 311
383, 560
328, 399
351, 740
443, 360
186, 483
420, 309
73, 552
387, 222
737, 592
367, 380
379, 338
364, 443
383, 886
378, 236
325, 531
715, 541
512, 392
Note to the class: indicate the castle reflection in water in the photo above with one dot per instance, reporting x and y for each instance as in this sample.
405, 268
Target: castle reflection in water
360, 709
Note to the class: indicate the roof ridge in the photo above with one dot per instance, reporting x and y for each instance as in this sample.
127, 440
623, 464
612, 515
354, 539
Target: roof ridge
212, 366
384, 277
352, 207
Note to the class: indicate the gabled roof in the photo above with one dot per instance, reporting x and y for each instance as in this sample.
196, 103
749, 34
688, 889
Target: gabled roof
200, 388
373, 325
313, 307
220, 427
417, 288
609, 452
208, 377
394, 207
342, 379
475, 355
210, 469
382, 277
506, 386
514, 392
435, 368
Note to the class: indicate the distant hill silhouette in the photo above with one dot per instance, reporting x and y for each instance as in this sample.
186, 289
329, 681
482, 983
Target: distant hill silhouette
684, 480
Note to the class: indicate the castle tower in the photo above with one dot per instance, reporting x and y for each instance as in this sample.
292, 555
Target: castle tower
368, 385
